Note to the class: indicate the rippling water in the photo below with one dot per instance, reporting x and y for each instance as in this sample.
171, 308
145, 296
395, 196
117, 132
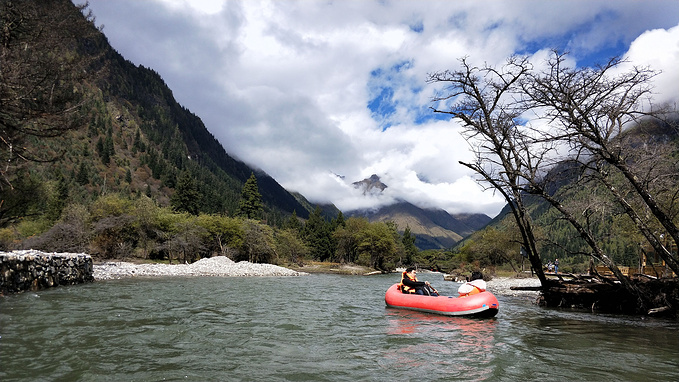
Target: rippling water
311, 328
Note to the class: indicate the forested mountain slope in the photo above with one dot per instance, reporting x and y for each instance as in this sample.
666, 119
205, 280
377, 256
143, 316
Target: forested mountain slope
100, 158
132, 138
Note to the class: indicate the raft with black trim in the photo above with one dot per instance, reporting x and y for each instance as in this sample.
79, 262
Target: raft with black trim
482, 304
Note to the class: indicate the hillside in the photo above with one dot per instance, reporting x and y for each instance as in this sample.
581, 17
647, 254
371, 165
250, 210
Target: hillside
124, 135
433, 228
143, 89
132, 136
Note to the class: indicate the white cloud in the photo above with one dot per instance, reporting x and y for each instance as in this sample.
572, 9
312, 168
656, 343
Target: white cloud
659, 50
202, 6
286, 85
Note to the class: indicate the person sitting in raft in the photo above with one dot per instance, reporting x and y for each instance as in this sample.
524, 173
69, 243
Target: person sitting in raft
473, 286
409, 284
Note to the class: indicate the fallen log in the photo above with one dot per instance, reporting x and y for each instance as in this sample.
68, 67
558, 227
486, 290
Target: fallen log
658, 310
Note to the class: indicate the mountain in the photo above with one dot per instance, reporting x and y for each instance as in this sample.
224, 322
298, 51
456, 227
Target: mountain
133, 136
372, 185
433, 228
146, 90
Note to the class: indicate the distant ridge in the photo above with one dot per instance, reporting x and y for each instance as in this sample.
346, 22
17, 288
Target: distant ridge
433, 228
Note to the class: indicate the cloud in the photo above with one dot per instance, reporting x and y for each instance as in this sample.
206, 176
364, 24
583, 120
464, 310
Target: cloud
659, 50
308, 89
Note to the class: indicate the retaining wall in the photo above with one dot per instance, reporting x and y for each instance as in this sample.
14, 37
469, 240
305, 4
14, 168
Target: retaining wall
33, 270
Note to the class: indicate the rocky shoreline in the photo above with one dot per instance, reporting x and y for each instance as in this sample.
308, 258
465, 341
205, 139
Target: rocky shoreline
503, 286
223, 266
25, 270
213, 266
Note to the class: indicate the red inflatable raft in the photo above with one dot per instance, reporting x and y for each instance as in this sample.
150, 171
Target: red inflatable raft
483, 304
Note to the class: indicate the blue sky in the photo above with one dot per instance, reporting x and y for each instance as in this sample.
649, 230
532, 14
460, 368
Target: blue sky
308, 89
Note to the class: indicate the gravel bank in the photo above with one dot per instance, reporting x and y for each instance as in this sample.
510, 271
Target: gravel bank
503, 285
213, 266
223, 266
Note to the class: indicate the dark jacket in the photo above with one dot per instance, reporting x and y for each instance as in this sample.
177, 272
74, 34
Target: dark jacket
410, 285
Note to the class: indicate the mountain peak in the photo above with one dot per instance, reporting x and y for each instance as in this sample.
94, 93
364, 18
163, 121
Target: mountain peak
372, 185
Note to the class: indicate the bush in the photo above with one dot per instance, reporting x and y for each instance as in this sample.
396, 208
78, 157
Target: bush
8, 238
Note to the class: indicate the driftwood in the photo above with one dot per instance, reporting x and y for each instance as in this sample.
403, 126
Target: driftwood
604, 295
658, 310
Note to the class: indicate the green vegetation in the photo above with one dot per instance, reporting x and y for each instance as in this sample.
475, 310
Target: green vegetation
250, 205
115, 226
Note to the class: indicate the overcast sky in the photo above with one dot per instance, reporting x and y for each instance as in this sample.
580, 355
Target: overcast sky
320, 94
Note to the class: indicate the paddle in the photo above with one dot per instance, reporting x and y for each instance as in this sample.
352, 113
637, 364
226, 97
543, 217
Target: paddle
432, 289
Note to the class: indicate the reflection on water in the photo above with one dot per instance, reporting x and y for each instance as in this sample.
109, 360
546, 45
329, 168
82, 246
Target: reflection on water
460, 346
312, 328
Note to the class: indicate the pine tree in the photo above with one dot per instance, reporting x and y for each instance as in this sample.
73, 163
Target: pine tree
186, 196
409, 245
108, 146
57, 198
83, 176
319, 236
105, 147
101, 151
136, 145
293, 223
250, 204
338, 221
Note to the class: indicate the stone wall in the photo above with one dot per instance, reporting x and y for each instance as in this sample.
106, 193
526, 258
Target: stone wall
33, 270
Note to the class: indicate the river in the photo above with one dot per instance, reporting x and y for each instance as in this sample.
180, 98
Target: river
312, 328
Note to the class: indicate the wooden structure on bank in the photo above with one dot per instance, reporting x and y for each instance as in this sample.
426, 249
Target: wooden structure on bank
650, 264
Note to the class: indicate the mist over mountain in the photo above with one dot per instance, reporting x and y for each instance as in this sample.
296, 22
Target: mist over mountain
433, 228
371, 185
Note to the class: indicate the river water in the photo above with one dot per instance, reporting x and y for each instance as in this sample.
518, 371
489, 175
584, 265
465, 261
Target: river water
312, 328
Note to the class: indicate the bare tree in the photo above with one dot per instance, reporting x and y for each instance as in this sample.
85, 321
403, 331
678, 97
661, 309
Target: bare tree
588, 113
537, 187
511, 156
483, 100
591, 109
